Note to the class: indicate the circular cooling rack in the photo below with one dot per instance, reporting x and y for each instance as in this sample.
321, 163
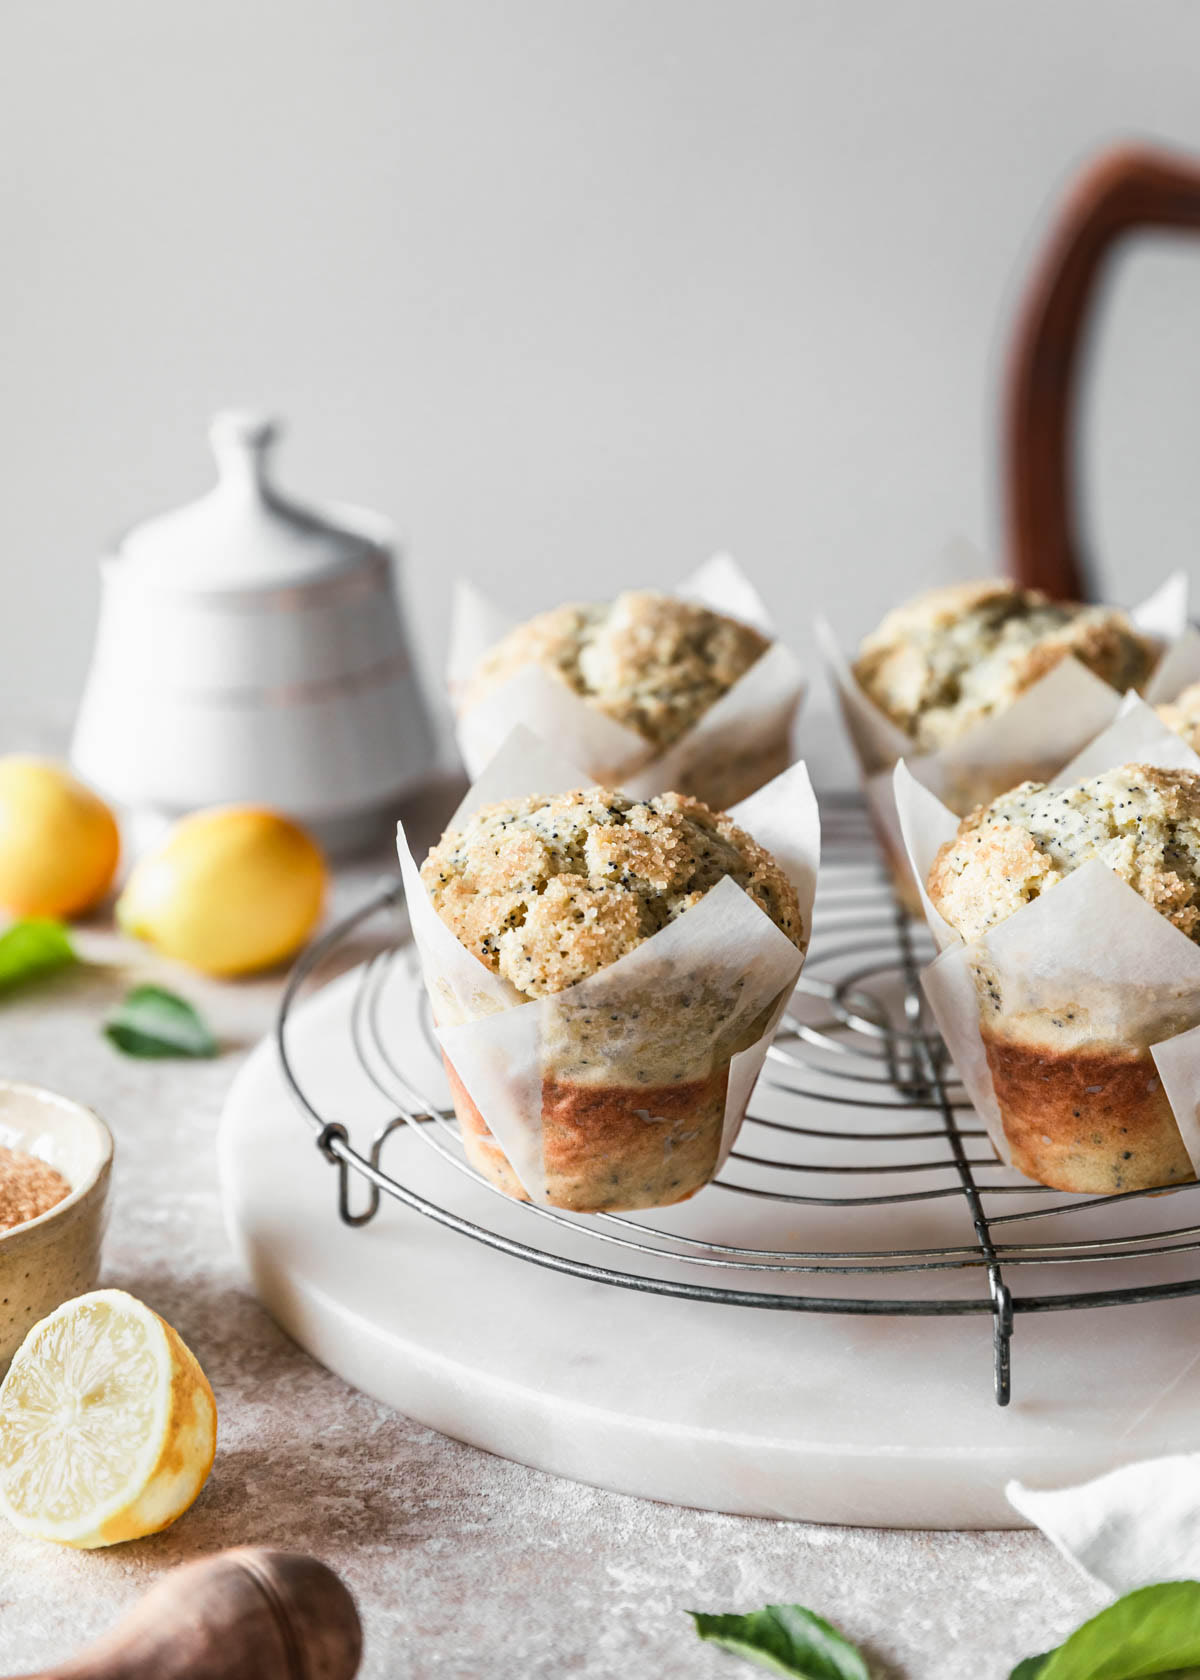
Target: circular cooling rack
862, 1182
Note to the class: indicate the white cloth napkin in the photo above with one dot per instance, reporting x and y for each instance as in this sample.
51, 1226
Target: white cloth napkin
1132, 1527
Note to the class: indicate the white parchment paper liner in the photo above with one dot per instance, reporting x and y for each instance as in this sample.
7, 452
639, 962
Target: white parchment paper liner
497, 1039
1092, 937
1030, 740
748, 718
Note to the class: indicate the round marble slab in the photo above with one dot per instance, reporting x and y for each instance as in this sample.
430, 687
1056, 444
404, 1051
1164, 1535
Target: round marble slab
883, 1421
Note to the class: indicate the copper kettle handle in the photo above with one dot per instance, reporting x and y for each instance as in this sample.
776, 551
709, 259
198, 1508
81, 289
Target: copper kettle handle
1131, 187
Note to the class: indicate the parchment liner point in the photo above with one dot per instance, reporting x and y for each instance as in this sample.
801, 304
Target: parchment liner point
1090, 938
508, 1050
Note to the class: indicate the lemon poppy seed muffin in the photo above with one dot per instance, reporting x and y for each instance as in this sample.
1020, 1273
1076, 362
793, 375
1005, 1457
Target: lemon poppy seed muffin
1183, 715
547, 891
959, 654
1143, 823
551, 892
654, 664
1081, 1101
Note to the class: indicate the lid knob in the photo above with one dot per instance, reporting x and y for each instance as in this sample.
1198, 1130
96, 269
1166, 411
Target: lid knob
241, 440
246, 534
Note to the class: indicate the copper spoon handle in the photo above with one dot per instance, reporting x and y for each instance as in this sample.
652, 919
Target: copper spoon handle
1127, 189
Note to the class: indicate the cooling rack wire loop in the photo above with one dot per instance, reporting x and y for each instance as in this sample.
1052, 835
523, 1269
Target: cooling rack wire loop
861, 1157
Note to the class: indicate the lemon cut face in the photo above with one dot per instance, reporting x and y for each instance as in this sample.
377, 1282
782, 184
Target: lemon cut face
107, 1424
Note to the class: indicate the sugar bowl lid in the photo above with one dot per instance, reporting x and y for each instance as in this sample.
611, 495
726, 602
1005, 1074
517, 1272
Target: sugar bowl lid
245, 534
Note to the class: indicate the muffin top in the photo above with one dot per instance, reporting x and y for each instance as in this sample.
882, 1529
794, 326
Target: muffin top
1142, 822
654, 663
959, 654
1183, 715
546, 891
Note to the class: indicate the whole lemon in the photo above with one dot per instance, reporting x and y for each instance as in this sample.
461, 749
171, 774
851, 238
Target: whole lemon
59, 842
228, 890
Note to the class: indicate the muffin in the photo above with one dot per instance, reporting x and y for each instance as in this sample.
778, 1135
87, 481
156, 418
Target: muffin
549, 893
655, 664
1081, 1101
1183, 716
965, 652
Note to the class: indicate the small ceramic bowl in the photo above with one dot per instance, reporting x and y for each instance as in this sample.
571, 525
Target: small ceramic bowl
57, 1255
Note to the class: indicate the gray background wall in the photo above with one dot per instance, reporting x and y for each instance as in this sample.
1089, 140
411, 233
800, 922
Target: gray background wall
577, 292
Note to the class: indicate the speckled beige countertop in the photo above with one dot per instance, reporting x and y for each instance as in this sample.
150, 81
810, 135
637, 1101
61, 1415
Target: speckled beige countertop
462, 1564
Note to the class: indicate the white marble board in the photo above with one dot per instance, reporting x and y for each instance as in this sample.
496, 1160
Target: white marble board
885, 1421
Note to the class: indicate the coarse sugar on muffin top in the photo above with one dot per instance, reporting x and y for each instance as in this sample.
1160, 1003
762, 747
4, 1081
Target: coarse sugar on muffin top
653, 663
1142, 822
547, 891
950, 658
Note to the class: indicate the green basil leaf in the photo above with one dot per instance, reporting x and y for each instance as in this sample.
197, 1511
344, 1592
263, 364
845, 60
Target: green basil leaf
1031, 1668
153, 1022
34, 947
786, 1639
1153, 1631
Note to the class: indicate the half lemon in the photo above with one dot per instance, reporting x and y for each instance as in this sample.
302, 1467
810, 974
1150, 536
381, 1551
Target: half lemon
108, 1426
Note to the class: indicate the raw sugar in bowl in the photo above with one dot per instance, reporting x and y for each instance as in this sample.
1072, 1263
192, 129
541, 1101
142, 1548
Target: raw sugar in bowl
56, 1255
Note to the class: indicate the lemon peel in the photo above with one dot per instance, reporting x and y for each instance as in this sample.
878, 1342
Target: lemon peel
228, 890
108, 1426
59, 842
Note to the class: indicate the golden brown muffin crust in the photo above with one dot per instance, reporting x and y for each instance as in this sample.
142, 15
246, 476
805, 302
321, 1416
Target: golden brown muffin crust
1096, 1121
1142, 822
547, 891
653, 663
601, 1148
943, 662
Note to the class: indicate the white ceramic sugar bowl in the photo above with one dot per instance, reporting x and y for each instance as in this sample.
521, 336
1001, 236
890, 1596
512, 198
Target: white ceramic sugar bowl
251, 649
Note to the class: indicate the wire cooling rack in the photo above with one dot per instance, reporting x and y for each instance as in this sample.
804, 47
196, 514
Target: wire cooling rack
861, 1157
